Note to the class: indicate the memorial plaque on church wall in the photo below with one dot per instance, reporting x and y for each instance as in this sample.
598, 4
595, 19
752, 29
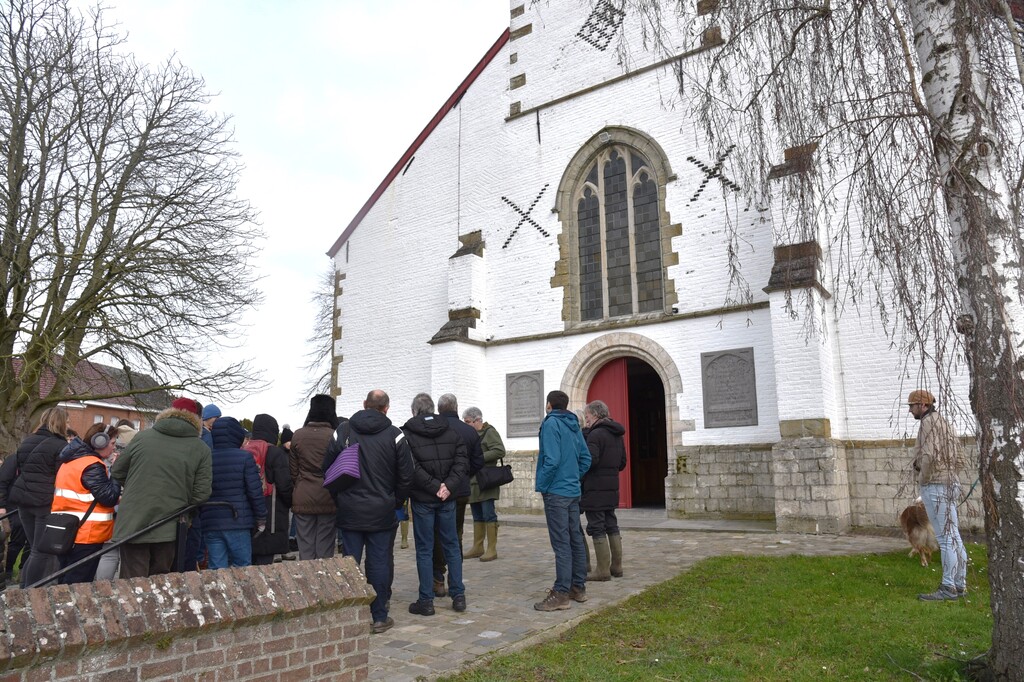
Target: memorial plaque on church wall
730, 393
524, 400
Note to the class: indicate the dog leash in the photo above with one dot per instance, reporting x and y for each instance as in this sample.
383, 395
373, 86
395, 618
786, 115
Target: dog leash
973, 486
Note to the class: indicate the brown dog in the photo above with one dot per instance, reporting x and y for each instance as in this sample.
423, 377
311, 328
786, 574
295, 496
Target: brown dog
919, 532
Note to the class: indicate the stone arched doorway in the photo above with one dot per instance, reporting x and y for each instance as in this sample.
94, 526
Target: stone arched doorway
647, 373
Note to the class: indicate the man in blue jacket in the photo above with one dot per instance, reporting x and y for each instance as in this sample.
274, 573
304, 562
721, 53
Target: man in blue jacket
563, 459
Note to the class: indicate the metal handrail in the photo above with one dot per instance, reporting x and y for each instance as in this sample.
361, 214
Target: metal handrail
6, 514
180, 515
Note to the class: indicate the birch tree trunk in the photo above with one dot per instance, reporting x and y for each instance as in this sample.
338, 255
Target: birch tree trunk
979, 204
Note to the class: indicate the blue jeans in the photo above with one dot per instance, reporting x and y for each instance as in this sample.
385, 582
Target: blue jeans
425, 516
380, 564
228, 547
563, 518
940, 503
483, 511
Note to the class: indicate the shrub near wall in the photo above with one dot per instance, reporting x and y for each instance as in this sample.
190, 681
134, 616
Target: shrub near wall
304, 620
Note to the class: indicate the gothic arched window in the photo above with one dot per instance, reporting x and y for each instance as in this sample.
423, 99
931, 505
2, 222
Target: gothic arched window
616, 243
619, 237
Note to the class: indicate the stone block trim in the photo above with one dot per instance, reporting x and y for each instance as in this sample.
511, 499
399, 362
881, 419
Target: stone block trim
798, 160
296, 620
520, 32
472, 245
805, 428
458, 325
517, 81
796, 267
336, 358
706, 6
712, 37
517, 11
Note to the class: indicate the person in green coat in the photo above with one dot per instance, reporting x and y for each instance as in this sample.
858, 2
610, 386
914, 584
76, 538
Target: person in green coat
163, 469
481, 502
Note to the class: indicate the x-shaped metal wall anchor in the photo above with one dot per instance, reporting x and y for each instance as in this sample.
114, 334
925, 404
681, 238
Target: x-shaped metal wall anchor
525, 216
713, 172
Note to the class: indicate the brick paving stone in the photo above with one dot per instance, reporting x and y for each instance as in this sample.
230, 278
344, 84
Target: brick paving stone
501, 593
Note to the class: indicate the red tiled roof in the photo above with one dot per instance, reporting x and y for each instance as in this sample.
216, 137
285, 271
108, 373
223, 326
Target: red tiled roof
91, 378
438, 117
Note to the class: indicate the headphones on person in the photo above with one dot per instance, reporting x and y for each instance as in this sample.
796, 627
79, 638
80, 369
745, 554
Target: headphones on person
99, 440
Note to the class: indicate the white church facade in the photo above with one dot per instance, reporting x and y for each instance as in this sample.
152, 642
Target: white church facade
558, 226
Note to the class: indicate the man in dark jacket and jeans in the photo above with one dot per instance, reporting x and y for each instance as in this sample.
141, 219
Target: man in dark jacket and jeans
366, 510
448, 407
441, 467
601, 489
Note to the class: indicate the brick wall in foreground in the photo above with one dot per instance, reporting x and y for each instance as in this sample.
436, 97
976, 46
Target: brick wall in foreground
303, 620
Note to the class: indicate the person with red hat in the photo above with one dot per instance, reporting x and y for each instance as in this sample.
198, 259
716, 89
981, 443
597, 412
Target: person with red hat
162, 470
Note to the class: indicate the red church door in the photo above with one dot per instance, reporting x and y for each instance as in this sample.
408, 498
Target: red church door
611, 385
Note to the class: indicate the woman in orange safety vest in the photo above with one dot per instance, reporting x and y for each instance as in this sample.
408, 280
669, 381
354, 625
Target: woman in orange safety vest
81, 480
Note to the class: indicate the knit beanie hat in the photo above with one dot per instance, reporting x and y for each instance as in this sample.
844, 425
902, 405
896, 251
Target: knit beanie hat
211, 411
286, 434
125, 435
322, 408
921, 396
186, 404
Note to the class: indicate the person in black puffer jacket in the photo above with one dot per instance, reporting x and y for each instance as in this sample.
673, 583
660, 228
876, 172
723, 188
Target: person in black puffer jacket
441, 467
366, 509
236, 479
272, 462
448, 407
601, 489
31, 492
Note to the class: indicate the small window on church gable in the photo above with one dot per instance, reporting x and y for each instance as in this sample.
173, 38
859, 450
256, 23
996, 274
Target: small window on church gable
619, 237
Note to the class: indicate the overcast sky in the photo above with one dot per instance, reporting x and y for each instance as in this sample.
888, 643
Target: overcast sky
326, 95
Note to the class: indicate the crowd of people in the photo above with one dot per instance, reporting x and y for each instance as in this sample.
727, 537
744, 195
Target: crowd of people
197, 490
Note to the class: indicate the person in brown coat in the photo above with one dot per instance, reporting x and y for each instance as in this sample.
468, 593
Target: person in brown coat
312, 504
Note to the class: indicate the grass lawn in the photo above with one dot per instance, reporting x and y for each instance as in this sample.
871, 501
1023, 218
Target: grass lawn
759, 618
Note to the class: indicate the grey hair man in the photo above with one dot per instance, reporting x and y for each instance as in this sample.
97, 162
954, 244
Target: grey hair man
441, 467
448, 408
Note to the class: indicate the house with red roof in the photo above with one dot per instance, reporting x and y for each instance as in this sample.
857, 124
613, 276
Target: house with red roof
100, 393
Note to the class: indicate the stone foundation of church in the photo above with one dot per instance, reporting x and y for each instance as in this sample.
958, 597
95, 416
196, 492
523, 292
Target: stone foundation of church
804, 484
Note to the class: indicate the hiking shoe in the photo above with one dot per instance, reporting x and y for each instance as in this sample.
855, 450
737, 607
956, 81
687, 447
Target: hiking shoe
439, 590
578, 594
961, 591
944, 593
422, 607
459, 603
555, 601
380, 626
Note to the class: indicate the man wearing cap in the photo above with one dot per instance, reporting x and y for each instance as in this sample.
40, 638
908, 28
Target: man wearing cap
210, 414
938, 456
162, 470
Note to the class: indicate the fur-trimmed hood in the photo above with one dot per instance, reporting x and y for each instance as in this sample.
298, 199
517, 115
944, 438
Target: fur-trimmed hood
184, 415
